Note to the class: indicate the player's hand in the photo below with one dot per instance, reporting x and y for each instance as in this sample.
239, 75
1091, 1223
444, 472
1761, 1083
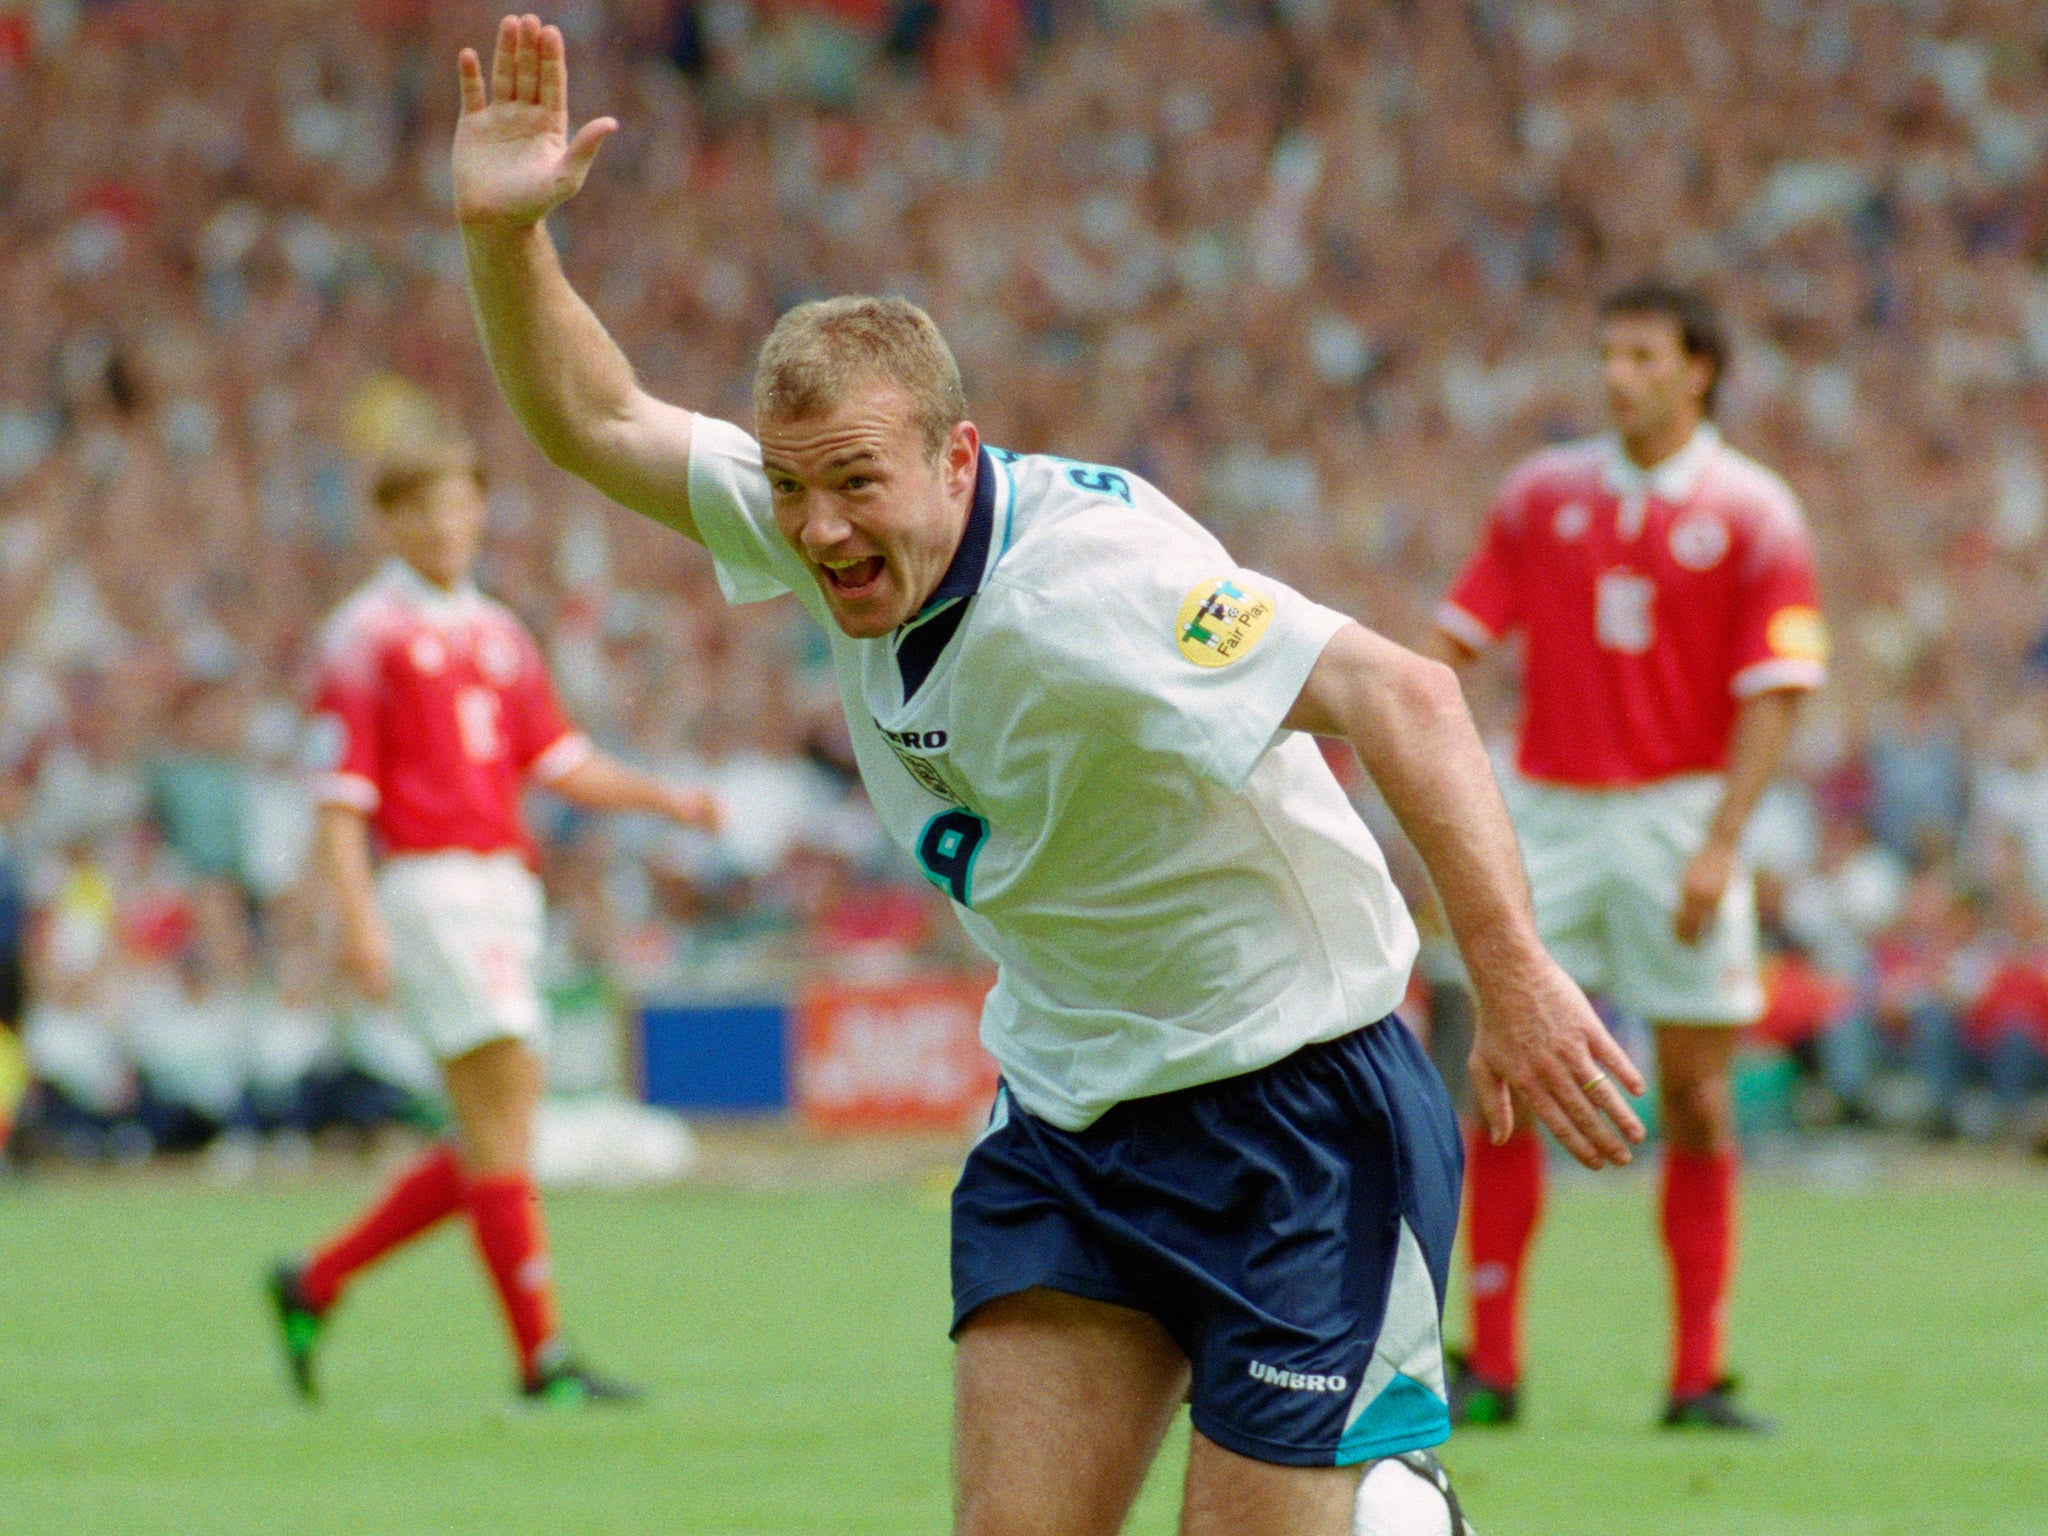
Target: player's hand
366, 957
1539, 1038
1701, 888
514, 160
694, 808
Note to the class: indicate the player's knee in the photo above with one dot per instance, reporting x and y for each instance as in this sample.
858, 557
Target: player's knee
495, 1133
492, 1150
1699, 1113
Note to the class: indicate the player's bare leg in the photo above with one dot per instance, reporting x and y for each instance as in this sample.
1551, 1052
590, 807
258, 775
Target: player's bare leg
1694, 1085
1232, 1495
1060, 1405
494, 1092
1701, 1164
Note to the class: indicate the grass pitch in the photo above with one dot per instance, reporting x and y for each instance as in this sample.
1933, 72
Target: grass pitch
795, 1347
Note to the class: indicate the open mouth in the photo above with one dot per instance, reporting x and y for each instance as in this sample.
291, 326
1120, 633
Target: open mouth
853, 578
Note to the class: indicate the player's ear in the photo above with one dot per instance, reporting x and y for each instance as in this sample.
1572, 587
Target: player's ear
962, 454
1700, 374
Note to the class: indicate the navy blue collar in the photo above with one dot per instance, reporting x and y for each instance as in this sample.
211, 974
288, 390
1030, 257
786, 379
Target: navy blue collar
970, 560
921, 641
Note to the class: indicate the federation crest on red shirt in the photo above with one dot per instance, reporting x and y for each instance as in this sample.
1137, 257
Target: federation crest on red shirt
429, 653
1698, 543
498, 658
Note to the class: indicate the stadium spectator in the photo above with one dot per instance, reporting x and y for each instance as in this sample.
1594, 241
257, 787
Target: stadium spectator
1319, 271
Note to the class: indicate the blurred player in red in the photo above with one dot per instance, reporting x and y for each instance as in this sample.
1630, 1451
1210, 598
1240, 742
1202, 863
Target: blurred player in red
1662, 586
437, 710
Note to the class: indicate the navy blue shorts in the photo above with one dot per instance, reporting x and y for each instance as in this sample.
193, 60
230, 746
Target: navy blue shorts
1290, 1228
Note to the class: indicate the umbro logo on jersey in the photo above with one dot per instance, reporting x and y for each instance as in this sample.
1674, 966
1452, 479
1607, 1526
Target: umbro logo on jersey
1220, 621
916, 741
1294, 1381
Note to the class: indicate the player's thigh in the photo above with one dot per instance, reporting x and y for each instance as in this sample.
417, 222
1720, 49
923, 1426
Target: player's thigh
1560, 831
466, 933
1232, 1495
1060, 1404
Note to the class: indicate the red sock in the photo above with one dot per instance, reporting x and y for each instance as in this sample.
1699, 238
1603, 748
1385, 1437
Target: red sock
1503, 1201
1699, 1234
423, 1195
504, 1212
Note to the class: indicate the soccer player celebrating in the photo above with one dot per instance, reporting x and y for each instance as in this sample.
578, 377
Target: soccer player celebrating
1664, 591
437, 708
1215, 1168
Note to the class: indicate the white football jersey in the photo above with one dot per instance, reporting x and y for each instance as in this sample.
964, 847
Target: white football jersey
1079, 738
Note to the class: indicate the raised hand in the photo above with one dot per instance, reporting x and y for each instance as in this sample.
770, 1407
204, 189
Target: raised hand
1539, 1040
514, 160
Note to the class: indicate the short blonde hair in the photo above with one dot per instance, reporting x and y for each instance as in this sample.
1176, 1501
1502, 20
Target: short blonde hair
405, 470
820, 351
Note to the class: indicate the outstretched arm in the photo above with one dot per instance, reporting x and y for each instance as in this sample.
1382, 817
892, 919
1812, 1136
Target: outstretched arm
1536, 1034
564, 377
598, 783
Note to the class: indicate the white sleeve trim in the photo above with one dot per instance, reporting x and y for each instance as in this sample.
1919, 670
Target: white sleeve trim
1460, 625
563, 758
350, 790
1785, 673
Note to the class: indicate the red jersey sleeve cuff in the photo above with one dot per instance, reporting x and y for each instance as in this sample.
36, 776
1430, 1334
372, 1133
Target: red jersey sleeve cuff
1781, 673
563, 758
349, 790
1463, 627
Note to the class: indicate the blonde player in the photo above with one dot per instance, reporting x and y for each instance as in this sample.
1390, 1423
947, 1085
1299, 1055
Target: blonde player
1217, 1170
437, 711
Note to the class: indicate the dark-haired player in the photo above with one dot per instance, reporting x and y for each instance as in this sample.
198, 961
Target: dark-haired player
1663, 588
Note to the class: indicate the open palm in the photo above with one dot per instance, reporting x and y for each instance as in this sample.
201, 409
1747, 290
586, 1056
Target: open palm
514, 160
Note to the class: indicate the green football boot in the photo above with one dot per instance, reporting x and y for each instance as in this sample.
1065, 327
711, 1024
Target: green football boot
1474, 1399
298, 1325
566, 1382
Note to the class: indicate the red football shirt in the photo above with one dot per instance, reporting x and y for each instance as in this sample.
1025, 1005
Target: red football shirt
1651, 603
434, 708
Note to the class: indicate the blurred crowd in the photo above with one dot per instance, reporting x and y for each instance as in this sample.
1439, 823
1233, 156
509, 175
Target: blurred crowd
1321, 269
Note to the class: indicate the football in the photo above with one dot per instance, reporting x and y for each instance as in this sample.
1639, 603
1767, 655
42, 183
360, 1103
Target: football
1408, 1496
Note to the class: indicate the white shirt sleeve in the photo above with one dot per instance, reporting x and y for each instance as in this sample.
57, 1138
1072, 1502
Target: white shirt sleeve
729, 504
1176, 648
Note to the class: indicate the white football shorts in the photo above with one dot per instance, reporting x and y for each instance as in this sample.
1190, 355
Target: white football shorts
465, 938
1604, 868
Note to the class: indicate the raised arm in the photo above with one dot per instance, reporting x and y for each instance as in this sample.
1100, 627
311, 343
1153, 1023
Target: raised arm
1536, 1034
564, 377
600, 783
